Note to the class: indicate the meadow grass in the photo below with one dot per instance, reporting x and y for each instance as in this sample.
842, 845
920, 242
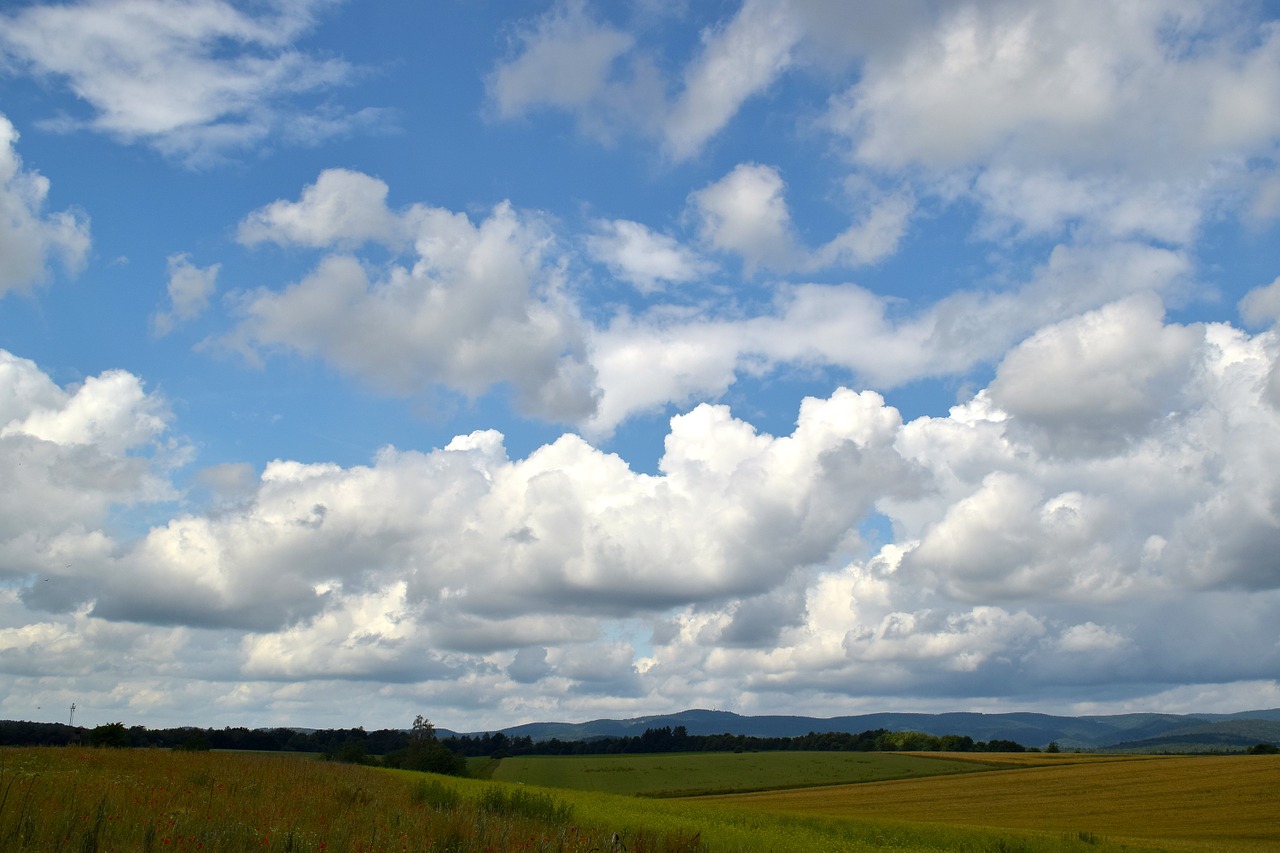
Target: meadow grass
95, 801
1175, 802
689, 774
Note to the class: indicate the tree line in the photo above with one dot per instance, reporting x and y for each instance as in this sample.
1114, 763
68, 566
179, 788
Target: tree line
678, 739
419, 746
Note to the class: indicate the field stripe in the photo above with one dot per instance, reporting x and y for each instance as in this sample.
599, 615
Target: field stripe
1219, 802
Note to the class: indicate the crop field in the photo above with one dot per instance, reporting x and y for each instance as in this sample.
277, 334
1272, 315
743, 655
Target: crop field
1183, 802
97, 801
690, 774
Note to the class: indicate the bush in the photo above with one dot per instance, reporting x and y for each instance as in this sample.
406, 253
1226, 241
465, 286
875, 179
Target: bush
436, 795
110, 734
517, 803
351, 752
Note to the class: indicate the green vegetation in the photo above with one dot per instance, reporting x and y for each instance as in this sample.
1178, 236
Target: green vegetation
95, 799
668, 739
689, 774
80, 799
424, 753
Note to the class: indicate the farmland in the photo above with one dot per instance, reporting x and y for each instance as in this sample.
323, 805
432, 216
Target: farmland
688, 774
74, 798
1183, 802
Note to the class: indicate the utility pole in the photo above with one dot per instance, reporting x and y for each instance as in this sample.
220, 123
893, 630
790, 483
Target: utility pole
72, 721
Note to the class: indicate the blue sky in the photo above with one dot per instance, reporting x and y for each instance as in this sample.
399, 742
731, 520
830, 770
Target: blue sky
559, 360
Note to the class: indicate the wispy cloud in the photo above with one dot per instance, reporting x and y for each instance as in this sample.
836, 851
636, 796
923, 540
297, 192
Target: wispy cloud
196, 79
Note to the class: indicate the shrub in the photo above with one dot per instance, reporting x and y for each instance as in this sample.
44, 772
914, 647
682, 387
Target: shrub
518, 803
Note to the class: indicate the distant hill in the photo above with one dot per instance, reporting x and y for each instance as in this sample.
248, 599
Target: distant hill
1147, 732
1224, 734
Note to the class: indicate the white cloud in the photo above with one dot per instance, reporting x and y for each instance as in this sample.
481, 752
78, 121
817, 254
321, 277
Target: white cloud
872, 239
645, 258
566, 61
1050, 107
738, 60
1041, 112
646, 362
29, 237
745, 213
68, 457
342, 208
195, 79
481, 305
473, 535
190, 288
1261, 306
1098, 379
467, 578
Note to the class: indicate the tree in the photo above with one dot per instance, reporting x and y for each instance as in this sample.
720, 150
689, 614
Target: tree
353, 751
195, 741
423, 729
425, 753
109, 734
1053, 747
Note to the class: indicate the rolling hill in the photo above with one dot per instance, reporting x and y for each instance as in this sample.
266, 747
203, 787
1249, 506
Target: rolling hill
1147, 732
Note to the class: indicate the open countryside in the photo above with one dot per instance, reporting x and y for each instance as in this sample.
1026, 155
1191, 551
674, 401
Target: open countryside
1182, 802
75, 798
690, 774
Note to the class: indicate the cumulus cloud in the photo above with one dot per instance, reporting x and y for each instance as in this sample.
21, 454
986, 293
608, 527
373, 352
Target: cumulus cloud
194, 79
1261, 306
643, 257
29, 238
482, 304
1103, 513
1062, 382
566, 582
745, 213
342, 207
569, 530
647, 361
68, 457
1045, 108
190, 288
1039, 112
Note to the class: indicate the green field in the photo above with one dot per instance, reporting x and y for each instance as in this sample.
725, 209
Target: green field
77, 799
688, 774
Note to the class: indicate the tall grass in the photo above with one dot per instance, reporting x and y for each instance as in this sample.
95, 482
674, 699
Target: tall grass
96, 801
86, 801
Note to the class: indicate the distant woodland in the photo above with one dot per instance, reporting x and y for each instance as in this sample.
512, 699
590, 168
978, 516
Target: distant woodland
358, 745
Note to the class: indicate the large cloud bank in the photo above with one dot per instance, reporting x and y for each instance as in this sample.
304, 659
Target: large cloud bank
1117, 537
1093, 525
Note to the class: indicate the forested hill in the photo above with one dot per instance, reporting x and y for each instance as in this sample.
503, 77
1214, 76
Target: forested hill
1126, 732
1086, 732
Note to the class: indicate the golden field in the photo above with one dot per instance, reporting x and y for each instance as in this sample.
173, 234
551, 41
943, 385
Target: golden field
1171, 802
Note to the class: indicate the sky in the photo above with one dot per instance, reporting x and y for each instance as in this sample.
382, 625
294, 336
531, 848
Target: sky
516, 361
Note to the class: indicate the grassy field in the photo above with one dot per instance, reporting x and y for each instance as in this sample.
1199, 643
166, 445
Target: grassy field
688, 774
96, 801
1180, 802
